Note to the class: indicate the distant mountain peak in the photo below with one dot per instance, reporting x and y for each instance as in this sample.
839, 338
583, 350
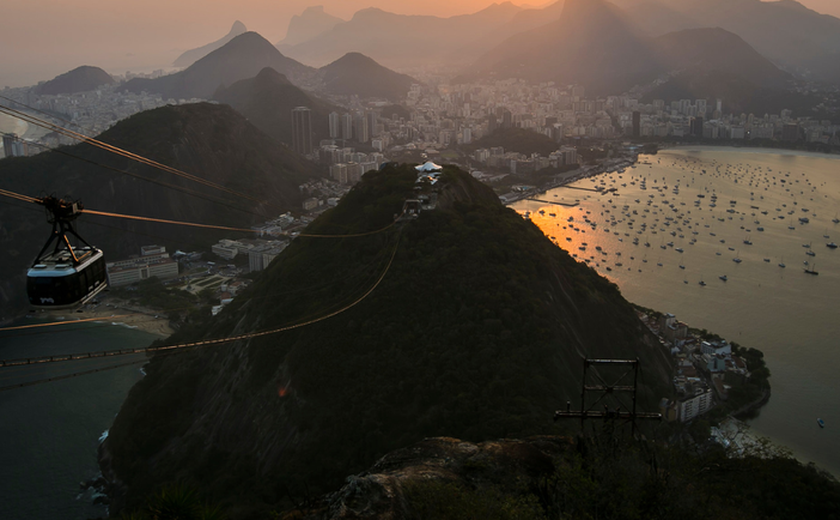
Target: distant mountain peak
193, 55
356, 57
242, 57
355, 73
312, 22
269, 74
371, 12
80, 79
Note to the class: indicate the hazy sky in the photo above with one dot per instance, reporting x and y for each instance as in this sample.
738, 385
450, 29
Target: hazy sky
43, 38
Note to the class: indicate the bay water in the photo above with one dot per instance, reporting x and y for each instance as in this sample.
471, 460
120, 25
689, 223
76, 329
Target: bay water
708, 213
49, 432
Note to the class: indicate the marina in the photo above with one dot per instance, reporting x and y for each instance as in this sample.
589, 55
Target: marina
709, 202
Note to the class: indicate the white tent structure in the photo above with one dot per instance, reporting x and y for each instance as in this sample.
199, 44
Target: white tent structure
428, 167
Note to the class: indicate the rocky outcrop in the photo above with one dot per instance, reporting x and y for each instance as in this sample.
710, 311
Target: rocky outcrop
381, 491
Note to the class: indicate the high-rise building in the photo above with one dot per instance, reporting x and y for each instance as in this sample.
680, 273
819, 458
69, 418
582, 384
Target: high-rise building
301, 130
637, 123
335, 125
507, 119
360, 129
372, 118
697, 127
347, 126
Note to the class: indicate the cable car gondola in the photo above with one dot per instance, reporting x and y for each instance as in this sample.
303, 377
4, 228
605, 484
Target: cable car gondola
67, 276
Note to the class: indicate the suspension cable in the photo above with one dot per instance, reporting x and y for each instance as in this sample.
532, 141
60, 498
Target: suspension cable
70, 376
118, 151
26, 198
175, 187
202, 343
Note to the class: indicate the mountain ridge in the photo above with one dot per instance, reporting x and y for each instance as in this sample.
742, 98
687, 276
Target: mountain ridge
308, 25
401, 41
189, 57
573, 49
240, 58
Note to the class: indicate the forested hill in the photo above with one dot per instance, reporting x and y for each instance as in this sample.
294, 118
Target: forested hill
212, 142
267, 100
476, 330
80, 79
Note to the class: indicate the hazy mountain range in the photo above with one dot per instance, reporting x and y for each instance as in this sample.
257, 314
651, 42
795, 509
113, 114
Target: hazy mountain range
244, 56
309, 24
241, 58
191, 56
404, 42
793, 37
728, 49
594, 44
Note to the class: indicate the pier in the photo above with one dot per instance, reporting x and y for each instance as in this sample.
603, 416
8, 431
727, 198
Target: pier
556, 203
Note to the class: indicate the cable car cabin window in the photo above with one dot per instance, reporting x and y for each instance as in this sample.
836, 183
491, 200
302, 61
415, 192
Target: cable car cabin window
56, 291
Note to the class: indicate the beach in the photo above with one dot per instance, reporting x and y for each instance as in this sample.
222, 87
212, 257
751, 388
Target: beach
117, 312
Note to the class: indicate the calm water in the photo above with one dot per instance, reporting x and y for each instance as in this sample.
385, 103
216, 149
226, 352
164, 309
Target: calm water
49, 433
788, 314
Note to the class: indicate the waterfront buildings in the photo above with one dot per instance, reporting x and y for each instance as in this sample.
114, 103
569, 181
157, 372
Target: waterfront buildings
153, 261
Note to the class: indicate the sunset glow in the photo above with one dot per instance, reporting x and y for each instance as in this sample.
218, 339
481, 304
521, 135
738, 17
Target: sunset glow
51, 36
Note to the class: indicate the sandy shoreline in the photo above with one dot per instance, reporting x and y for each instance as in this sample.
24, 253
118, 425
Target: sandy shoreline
117, 312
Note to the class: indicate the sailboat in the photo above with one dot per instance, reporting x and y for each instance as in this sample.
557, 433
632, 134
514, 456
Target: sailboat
812, 270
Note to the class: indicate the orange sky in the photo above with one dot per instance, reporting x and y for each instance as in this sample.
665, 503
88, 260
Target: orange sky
43, 38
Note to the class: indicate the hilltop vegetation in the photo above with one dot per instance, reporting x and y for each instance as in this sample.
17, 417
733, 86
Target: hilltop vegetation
476, 330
